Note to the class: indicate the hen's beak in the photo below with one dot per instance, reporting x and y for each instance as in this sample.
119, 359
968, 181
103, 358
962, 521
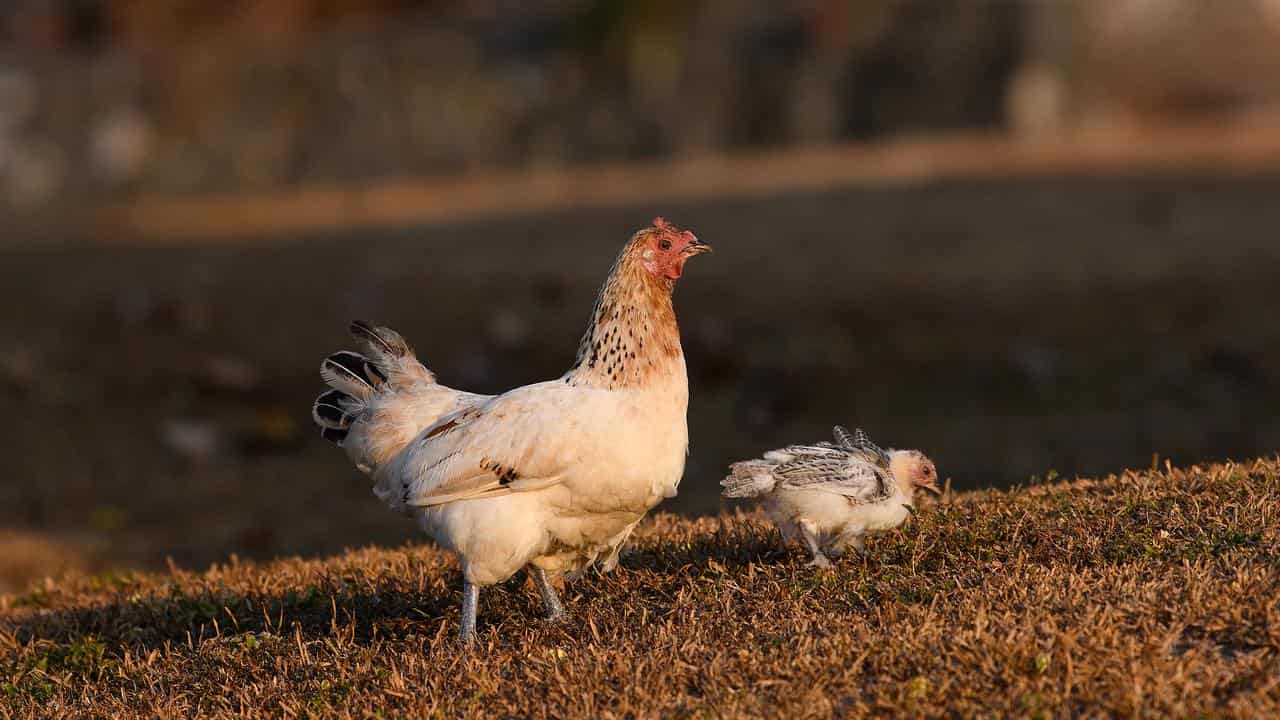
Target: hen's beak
695, 246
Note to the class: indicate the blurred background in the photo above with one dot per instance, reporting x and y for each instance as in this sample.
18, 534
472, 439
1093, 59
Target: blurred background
1031, 237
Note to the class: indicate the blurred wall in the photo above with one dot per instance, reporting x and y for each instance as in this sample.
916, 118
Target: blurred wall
103, 99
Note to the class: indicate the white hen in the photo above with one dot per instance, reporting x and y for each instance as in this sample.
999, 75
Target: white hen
553, 476
833, 494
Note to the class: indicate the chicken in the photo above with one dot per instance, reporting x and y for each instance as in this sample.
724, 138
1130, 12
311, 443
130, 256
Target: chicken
551, 476
833, 494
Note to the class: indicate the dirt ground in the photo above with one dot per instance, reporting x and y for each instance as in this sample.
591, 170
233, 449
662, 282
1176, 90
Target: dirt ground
158, 396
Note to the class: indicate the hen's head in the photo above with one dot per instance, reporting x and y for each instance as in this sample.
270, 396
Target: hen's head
663, 248
913, 469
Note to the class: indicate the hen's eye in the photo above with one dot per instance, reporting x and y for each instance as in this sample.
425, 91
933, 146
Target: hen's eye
665, 244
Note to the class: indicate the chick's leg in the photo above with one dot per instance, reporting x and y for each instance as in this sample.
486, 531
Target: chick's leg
470, 598
550, 600
846, 540
810, 534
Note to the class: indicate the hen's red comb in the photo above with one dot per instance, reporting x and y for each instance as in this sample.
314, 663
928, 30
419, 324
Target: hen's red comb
662, 224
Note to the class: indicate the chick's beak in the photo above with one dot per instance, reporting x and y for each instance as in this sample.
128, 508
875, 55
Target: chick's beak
929, 483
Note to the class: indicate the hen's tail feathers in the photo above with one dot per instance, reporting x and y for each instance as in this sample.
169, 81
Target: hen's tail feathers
352, 373
391, 354
355, 378
749, 478
334, 411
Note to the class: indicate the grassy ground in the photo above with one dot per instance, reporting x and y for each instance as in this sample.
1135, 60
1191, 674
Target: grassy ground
1151, 593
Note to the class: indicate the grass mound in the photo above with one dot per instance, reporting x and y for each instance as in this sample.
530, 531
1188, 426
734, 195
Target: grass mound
1147, 593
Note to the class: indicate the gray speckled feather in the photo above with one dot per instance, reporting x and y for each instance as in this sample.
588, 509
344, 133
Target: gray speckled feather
853, 466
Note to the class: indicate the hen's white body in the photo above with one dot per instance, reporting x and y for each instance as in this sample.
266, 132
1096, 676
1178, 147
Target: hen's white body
553, 475
590, 462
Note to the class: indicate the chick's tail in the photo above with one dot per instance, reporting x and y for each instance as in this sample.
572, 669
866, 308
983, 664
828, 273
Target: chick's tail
749, 478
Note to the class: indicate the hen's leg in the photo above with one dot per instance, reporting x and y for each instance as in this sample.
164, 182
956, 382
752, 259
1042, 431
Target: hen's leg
470, 598
809, 533
550, 600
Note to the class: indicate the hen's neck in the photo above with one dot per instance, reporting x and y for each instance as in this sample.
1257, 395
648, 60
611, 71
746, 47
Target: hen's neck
632, 338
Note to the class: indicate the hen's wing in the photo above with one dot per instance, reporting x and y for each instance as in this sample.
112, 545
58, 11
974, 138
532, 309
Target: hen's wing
519, 441
832, 469
393, 419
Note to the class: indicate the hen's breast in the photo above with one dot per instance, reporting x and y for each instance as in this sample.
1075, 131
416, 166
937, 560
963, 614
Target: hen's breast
656, 441
634, 456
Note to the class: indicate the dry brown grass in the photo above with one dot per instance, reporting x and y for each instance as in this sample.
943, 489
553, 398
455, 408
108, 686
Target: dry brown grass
1152, 593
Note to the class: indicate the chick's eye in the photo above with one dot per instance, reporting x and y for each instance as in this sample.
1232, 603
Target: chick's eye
665, 244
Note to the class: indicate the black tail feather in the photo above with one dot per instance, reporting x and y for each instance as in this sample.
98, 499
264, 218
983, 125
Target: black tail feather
333, 435
336, 397
380, 340
352, 372
355, 378
333, 412
348, 366
374, 374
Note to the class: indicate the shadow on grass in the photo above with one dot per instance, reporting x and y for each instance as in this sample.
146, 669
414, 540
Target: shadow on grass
188, 618
180, 613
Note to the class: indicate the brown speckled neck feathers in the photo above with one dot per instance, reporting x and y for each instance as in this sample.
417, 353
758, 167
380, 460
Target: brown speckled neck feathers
633, 335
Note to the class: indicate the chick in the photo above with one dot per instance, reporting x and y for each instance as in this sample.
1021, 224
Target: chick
832, 494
